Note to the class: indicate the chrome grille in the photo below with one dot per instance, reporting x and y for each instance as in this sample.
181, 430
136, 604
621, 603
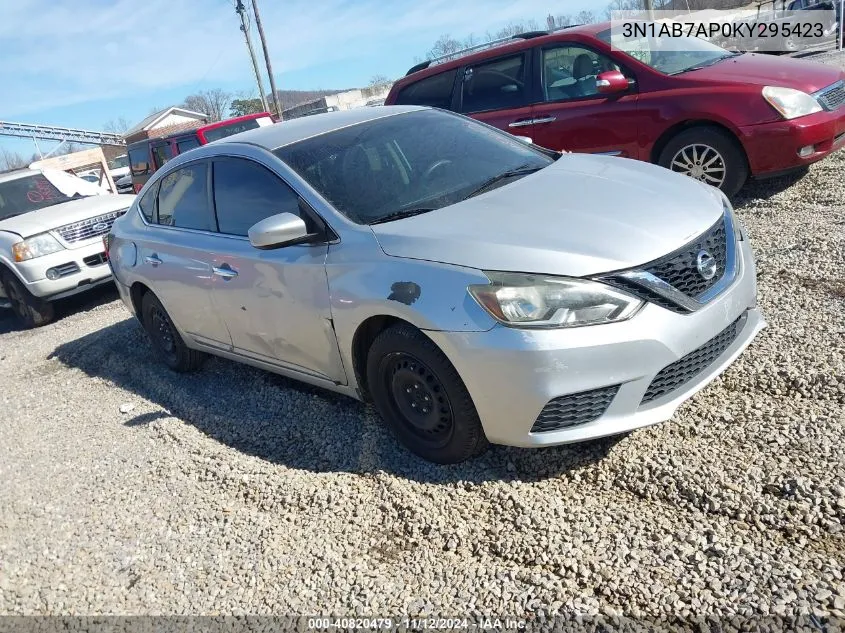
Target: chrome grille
682, 371
95, 260
679, 269
832, 97
574, 409
86, 229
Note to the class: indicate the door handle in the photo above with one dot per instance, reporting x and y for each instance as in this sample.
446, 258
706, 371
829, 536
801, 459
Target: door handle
225, 271
546, 119
521, 123
152, 260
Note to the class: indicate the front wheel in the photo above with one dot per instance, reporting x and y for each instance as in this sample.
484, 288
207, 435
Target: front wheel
707, 154
30, 310
422, 398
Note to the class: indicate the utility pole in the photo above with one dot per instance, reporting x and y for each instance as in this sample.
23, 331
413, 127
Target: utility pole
266, 58
241, 11
649, 7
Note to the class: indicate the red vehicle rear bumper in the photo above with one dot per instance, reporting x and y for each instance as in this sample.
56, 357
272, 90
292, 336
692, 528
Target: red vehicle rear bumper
774, 147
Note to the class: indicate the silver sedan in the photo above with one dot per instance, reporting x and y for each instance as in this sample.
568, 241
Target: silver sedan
474, 287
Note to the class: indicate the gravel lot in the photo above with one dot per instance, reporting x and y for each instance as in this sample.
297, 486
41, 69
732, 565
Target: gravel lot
129, 490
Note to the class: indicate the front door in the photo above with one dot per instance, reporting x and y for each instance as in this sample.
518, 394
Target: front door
176, 259
571, 114
274, 302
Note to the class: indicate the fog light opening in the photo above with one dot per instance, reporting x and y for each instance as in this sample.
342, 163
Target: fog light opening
806, 151
53, 274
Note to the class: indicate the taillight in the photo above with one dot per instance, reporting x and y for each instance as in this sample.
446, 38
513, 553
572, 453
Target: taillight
106, 244
136, 187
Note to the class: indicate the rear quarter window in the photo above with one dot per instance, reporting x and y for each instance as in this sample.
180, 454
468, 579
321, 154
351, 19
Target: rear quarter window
435, 91
139, 160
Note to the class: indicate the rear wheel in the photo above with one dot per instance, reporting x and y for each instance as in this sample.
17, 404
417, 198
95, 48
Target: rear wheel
30, 310
165, 338
707, 154
422, 398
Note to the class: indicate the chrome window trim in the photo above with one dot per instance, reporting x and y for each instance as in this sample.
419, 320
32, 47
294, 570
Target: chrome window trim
258, 155
656, 285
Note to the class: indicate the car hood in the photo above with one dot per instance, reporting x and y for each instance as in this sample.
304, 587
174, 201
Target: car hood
582, 215
34, 222
770, 70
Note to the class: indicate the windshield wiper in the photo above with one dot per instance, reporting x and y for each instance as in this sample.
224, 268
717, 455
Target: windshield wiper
707, 64
402, 213
522, 170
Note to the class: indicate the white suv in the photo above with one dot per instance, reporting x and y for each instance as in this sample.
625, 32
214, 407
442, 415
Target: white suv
51, 239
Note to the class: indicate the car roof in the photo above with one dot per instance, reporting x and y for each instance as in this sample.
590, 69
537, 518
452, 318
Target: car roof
18, 173
286, 132
575, 33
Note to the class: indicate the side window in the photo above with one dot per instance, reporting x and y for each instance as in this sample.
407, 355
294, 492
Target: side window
183, 198
148, 202
569, 72
139, 159
495, 85
162, 154
433, 91
184, 144
245, 193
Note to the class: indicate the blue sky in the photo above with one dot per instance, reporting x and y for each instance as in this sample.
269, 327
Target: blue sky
80, 63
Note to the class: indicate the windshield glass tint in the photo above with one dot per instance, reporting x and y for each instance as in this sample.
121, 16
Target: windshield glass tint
29, 193
671, 58
427, 159
223, 131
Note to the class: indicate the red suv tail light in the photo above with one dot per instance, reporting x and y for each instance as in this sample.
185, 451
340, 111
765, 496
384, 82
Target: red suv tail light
136, 187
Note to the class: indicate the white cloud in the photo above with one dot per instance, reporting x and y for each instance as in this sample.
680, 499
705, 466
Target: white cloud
56, 53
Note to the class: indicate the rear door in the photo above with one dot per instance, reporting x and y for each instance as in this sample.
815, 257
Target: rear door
176, 257
498, 92
570, 114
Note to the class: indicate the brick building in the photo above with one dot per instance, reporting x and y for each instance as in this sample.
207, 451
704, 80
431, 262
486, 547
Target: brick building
165, 122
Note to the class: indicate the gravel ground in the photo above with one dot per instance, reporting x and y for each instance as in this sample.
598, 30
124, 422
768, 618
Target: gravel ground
130, 490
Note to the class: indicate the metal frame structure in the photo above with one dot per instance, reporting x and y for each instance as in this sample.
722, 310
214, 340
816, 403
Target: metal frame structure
55, 133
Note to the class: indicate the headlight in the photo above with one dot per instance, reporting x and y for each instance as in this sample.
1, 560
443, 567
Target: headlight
522, 300
36, 246
791, 103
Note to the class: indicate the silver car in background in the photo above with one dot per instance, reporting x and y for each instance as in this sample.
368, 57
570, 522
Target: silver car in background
475, 288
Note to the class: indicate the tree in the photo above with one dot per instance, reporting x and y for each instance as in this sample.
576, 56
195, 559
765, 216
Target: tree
212, 103
117, 126
446, 46
586, 17
379, 83
241, 107
10, 160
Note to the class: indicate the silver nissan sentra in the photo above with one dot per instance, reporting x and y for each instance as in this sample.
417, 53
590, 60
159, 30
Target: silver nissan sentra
474, 287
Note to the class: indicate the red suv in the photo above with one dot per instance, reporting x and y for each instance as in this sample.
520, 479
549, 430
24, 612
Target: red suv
705, 112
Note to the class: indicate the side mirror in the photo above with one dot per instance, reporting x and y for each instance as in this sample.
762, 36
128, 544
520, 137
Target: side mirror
611, 82
282, 229
526, 139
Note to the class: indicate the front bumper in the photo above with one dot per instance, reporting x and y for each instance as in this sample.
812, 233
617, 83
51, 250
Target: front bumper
772, 148
513, 373
85, 266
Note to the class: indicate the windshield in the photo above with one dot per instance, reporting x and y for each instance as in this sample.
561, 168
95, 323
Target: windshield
26, 194
120, 161
671, 56
413, 162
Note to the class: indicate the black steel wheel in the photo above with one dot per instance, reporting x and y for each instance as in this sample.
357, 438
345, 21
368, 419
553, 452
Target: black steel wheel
165, 337
422, 398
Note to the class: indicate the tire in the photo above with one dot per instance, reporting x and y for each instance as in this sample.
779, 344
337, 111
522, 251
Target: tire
30, 310
165, 338
681, 151
406, 373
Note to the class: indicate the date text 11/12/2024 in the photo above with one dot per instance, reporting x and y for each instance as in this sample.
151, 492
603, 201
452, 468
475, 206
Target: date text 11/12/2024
416, 624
